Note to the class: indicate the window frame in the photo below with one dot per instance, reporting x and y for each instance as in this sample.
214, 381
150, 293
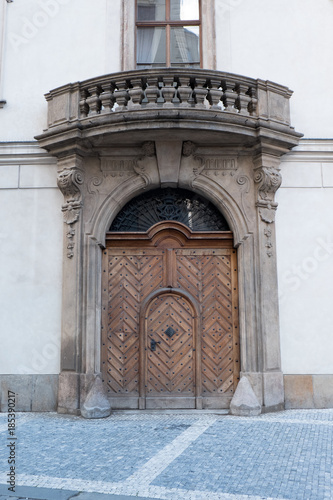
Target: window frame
207, 40
168, 24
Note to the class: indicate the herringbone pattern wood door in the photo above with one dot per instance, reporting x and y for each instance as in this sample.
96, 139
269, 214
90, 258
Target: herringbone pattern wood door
170, 337
179, 349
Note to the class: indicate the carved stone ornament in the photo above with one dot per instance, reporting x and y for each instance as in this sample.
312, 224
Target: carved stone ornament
148, 148
122, 166
267, 214
70, 244
269, 180
189, 148
243, 181
215, 166
118, 167
269, 243
69, 181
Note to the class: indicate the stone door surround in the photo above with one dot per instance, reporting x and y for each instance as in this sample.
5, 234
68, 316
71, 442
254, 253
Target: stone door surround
120, 135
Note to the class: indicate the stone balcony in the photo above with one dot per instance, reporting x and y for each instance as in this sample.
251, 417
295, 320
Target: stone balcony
208, 107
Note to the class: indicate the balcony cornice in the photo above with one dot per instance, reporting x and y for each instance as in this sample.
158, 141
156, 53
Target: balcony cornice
206, 106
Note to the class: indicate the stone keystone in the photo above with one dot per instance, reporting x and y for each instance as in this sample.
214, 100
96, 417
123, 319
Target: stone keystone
245, 403
96, 404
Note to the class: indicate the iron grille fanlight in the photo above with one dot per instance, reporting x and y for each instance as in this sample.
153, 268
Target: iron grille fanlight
159, 205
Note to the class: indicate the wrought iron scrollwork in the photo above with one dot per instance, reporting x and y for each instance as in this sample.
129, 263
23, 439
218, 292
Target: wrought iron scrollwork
169, 204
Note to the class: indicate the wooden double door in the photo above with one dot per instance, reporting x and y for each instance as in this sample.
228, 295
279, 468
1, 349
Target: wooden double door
170, 319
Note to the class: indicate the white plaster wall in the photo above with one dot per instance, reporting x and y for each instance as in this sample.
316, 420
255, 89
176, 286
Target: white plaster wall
30, 269
53, 42
50, 43
305, 263
289, 42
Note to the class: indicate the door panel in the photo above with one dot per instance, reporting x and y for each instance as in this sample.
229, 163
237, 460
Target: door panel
128, 276
211, 276
169, 346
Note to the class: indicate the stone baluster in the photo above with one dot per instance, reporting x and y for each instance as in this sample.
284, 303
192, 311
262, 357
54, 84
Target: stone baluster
136, 93
185, 91
252, 106
151, 92
243, 100
84, 108
229, 96
169, 91
215, 94
200, 92
93, 100
121, 96
107, 98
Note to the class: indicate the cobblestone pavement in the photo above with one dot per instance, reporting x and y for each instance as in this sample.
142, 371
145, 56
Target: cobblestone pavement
172, 456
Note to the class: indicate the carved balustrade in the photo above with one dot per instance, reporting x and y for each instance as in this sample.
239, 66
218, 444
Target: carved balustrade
169, 88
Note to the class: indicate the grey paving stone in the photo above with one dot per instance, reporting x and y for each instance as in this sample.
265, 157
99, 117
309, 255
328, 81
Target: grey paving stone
185, 456
36, 493
28, 493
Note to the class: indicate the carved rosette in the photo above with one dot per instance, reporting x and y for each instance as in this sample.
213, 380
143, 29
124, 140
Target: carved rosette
269, 180
69, 181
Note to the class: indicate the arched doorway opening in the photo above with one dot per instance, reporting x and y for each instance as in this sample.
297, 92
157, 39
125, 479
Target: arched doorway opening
170, 335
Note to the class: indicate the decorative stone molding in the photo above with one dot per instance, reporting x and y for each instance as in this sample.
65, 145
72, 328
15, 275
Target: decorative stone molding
269, 180
121, 166
189, 148
244, 182
269, 244
215, 166
70, 179
148, 149
125, 165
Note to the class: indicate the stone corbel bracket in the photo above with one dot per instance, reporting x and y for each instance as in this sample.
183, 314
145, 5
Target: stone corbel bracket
70, 179
268, 179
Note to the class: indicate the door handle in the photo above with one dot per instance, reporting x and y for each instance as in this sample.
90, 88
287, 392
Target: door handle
153, 343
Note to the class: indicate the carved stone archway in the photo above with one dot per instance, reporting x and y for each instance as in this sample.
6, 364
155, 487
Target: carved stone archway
220, 136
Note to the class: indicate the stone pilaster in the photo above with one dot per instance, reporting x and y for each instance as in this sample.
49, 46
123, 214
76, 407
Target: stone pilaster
268, 179
70, 180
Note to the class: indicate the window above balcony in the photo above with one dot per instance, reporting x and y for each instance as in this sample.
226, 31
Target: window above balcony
168, 33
